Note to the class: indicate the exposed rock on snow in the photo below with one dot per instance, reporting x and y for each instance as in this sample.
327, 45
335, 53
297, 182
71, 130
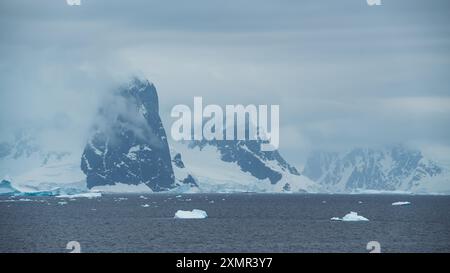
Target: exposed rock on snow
129, 143
237, 166
382, 170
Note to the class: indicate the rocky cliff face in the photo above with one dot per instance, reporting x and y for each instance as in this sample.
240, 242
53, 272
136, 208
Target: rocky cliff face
129, 143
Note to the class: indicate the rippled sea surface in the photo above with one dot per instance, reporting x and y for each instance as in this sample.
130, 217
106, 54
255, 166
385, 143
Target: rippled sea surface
236, 223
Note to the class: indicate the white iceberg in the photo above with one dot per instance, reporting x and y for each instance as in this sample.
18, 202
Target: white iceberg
123, 188
145, 205
350, 217
194, 214
42, 189
401, 203
81, 195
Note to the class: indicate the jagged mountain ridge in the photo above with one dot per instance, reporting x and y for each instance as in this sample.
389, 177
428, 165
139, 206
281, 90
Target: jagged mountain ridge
247, 154
241, 166
395, 168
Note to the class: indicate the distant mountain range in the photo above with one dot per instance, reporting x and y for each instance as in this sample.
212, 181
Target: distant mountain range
128, 151
395, 168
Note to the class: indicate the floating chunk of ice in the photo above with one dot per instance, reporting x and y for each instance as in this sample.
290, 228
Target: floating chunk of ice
145, 205
86, 195
401, 203
194, 214
350, 217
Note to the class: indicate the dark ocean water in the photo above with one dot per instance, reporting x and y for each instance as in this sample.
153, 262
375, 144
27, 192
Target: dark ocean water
236, 223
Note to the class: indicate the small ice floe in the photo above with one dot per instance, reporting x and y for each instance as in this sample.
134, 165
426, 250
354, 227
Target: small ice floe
62, 203
145, 205
194, 214
178, 196
360, 202
350, 217
324, 202
143, 197
212, 201
24, 200
81, 195
401, 203
187, 200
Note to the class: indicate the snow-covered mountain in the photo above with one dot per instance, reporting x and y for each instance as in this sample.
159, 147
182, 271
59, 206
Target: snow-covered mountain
128, 151
129, 147
129, 143
240, 166
29, 168
395, 168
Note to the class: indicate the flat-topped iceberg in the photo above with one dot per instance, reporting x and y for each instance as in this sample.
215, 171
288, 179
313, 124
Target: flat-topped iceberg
401, 203
42, 189
81, 195
351, 217
194, 214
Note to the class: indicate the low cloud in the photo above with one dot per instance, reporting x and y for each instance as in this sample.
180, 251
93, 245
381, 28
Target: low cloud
346, 75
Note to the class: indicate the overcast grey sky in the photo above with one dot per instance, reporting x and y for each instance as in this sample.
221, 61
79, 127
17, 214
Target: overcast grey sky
344, 73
